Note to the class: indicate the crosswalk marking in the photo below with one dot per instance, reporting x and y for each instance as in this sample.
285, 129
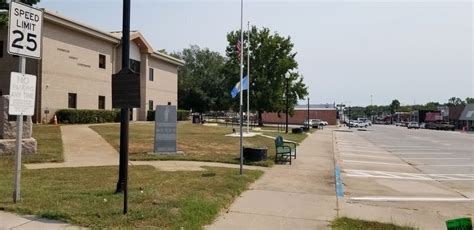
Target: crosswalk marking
408, 176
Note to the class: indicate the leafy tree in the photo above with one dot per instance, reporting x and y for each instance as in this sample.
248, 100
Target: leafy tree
271, 58
200, 80
469, 100
4, 5
394, 106
455, 101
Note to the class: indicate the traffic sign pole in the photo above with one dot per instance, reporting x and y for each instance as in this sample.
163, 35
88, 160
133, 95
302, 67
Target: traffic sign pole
19, 138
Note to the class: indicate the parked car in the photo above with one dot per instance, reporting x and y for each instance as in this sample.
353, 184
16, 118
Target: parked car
422, 125
324, 123
413, 125
445, 126
440, 126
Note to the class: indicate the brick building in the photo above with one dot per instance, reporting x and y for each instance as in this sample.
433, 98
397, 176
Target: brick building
325, 112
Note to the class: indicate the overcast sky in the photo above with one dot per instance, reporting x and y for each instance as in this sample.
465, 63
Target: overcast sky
414, 51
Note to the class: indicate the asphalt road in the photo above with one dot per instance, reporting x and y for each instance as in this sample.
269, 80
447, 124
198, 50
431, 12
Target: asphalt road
422, 176
431, 151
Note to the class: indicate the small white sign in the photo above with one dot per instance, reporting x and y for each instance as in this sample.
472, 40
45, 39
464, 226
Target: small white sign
24, 31
22, 94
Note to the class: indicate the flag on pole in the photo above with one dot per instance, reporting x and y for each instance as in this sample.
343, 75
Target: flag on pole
236, 89
239, 49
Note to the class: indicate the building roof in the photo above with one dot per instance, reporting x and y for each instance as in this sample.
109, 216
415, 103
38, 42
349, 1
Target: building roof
113, 37
56, 18
468, 113
316, 107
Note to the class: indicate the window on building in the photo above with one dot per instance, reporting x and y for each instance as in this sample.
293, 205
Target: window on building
152, 75
102, 61
135, 66
1, 49
169, 103
101, 102
72, 101
150, 105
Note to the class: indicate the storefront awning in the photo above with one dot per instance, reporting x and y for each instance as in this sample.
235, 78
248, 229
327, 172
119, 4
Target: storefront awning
468, 113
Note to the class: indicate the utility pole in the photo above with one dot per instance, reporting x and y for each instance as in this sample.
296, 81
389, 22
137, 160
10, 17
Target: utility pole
287, 77
122, 184
308, 114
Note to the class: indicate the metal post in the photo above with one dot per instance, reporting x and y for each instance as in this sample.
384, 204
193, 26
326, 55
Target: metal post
248, 76
308, 114
240, 85
122, 184
19, 141
287, 106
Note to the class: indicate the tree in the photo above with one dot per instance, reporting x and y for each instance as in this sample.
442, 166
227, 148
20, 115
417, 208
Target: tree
469, 100
4, 5
271, 58
455, 101
200, 80
394, 106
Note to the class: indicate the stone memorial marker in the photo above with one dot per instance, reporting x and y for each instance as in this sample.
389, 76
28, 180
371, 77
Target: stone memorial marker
165, 129
8, 131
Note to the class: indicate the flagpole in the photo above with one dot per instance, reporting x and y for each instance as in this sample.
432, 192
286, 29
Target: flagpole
240, 85
248, 77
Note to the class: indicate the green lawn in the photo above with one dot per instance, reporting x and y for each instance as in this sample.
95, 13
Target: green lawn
50, 145
85, 196
198, 142
345, 223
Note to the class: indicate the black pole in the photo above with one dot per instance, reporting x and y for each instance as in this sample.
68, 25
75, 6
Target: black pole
287, 106
122, 184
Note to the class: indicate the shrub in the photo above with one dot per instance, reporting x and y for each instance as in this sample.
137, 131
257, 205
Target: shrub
83, 116
182, 115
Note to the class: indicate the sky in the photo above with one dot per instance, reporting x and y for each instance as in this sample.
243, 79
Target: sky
351, 52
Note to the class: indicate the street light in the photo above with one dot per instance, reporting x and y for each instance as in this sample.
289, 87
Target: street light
287, 78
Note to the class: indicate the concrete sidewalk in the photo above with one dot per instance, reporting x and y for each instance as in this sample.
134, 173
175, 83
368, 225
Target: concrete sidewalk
13, 221
298, 196
82, 147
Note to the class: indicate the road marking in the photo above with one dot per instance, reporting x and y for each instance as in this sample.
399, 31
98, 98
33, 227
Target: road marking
441, 158
374, 162
408, 176
447, 165
415, 153
339, 184
369, 156
419, 199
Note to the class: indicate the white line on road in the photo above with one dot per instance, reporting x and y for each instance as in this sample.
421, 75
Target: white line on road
407, 176
369, 156
419, 199
447, 165
418, 153
441, 158
373, 162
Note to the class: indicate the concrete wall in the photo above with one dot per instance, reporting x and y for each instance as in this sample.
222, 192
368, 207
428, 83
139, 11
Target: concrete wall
300, 116
164, 88
71, 65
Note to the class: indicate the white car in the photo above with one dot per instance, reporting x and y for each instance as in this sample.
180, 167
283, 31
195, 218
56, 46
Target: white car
324, 123
413, 125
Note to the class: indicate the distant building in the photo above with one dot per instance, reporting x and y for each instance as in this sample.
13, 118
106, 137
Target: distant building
467, 116
325, 112
77, 65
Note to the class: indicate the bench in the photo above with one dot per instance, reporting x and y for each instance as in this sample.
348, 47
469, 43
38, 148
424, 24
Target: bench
284, 150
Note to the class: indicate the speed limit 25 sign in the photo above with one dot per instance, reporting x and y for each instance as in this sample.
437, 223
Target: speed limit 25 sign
24, 31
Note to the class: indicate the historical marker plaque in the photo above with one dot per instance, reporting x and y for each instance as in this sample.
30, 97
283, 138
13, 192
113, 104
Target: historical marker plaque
165, 129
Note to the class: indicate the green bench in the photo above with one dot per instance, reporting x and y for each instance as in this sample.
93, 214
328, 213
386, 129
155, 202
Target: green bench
285, 151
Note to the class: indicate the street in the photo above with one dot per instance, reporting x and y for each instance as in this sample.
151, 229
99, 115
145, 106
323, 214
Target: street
426, 171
